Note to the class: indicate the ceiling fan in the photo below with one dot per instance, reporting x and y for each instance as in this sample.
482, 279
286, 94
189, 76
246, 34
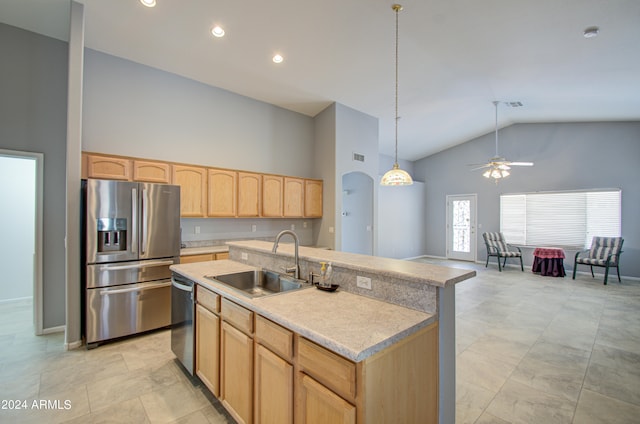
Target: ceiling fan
498, 167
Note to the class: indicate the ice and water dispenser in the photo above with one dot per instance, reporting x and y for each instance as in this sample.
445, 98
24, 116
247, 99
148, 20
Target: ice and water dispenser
112, 234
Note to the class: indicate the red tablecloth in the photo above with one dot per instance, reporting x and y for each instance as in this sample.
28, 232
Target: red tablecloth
548, 261
548, 252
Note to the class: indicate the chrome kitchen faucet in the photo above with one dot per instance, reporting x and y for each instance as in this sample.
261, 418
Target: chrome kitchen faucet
295, 270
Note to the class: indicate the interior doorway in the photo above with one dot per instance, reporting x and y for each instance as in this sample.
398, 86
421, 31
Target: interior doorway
357, 213
461, 227
21, 224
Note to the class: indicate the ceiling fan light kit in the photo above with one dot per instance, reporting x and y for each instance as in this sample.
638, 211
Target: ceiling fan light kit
396, 176
498, 167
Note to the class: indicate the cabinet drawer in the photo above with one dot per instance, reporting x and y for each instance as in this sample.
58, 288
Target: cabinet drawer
332, 370
275, 337
203, 257
240, 317
208, 299
223, 255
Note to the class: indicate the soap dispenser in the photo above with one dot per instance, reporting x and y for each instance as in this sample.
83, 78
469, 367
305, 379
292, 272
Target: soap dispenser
323, 274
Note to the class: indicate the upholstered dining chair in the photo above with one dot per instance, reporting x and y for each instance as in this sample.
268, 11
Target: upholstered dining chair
605, 252
497, 246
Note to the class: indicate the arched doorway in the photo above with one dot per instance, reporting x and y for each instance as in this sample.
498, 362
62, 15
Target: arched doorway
357, 213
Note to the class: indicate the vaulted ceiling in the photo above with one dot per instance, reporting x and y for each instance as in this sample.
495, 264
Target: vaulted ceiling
455, 57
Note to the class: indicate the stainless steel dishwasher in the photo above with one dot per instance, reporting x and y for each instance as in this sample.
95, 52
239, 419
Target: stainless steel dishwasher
182, 321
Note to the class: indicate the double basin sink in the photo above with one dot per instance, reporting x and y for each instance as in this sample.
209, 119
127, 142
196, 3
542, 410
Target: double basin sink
260, 283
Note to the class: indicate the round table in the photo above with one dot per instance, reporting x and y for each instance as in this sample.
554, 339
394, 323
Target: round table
548, 261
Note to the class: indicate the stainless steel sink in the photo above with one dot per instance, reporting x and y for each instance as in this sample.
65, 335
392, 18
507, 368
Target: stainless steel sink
259, 283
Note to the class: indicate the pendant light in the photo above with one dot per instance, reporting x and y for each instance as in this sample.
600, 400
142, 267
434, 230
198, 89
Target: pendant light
396, 176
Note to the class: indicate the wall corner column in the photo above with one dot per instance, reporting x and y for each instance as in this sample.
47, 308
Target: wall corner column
73, 313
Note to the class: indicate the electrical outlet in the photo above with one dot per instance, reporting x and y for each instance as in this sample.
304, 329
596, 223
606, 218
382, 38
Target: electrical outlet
197, 229
293, 227
304, 224
254, 228
244, 256
331, 230
363, 282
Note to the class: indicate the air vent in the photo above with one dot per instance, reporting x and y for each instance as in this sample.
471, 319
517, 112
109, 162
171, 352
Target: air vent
358, 157
513, 104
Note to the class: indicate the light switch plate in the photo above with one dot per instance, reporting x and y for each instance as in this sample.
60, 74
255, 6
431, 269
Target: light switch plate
244, 256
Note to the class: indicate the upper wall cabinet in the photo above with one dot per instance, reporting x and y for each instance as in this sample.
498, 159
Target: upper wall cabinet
193, 190
223, 186
272, 196
313, 198
293, 197
213, 192
249, 194
107, 167
151, 172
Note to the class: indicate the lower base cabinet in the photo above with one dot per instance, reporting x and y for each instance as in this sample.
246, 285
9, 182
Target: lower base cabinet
271, 375
207, 352
236, 373
319, 405
273, 388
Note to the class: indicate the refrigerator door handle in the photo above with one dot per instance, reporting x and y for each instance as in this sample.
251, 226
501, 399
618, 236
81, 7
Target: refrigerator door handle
134, 220
182, 287
144, 221
134, 289
135, 266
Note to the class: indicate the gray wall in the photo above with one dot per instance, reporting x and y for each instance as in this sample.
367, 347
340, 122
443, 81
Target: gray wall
135, 110
33, 117
567, 156
402, 226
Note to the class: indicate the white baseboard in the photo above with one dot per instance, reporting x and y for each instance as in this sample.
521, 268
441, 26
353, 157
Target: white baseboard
73, 345
53, 330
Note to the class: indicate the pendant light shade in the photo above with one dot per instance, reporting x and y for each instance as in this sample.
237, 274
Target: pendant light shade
396, 176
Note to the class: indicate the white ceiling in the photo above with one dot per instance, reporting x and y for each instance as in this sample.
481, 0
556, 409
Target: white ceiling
456, 57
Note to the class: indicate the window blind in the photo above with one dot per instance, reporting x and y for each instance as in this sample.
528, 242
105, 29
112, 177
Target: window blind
569, 218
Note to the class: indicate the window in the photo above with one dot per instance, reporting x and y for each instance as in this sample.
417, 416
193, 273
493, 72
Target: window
569, 218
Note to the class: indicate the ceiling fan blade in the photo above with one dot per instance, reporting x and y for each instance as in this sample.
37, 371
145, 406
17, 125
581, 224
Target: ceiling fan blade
486, 165
521, 163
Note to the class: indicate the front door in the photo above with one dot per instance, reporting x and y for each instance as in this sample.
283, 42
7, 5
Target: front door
461, 227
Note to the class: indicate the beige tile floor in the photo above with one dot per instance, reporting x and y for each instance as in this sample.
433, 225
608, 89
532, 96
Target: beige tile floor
530, 349
534, 349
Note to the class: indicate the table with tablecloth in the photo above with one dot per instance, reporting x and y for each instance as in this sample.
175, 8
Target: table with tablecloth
548, 261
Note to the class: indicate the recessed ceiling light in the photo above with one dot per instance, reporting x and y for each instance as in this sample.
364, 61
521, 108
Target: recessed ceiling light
217, 31
591, 32
148, 3
278, 58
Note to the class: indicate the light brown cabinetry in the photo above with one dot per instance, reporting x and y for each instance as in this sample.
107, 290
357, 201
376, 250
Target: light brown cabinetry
272, 191
319, 405
293, 197
213, 192
398, 384
193, 190
313, 198
203, 257
208, 339
222, 191
109, 168
273, 385
249, 194
236, 361
151, 172
268, 374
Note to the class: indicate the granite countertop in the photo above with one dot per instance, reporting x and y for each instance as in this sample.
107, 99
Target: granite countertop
353, 326
187, 251
434, 275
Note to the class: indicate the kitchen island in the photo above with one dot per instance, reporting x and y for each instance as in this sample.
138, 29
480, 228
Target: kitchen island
393, 343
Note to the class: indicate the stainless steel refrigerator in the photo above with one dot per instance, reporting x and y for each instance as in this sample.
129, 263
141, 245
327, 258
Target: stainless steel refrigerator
132, 236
